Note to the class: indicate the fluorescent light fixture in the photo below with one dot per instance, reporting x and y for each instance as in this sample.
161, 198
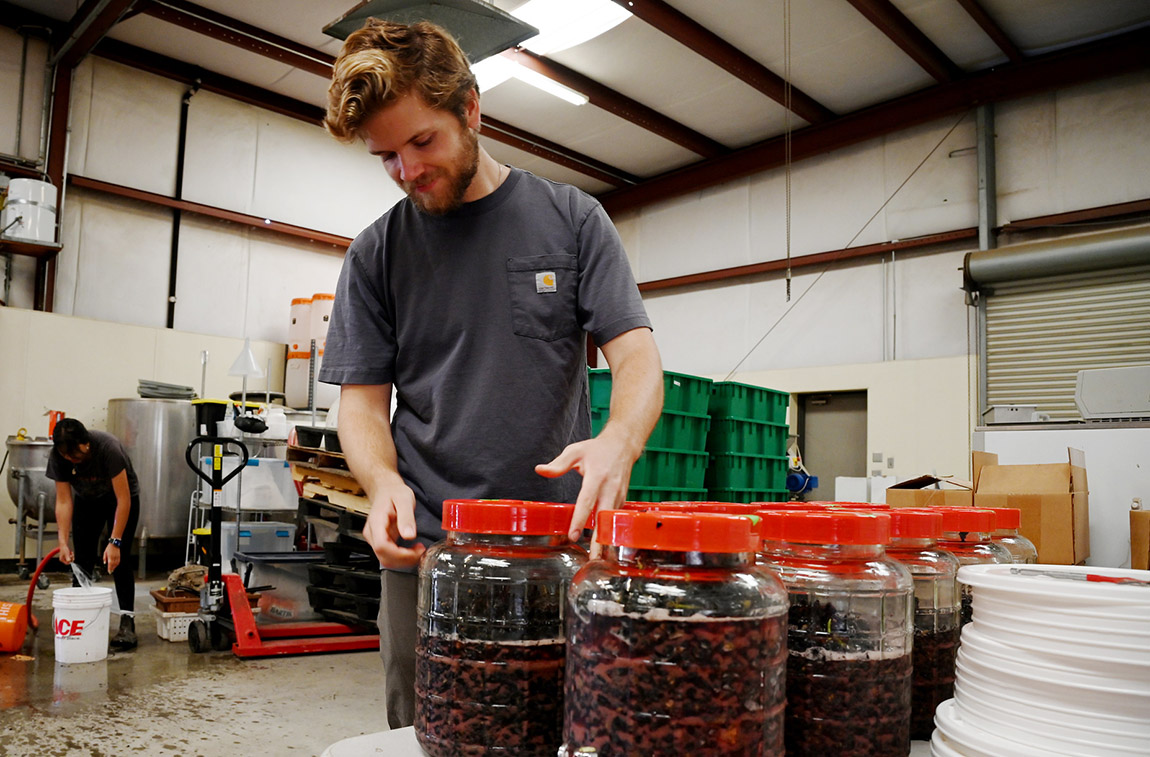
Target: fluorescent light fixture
493, 71
564, 24
550, 86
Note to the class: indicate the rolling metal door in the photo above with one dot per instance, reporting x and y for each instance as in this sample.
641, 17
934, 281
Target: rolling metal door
1041, 332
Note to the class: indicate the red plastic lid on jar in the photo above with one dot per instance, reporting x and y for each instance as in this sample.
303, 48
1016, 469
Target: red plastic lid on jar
914, 523
1006, 517
860, 505
729, 508
506, 516
966, 519
678, 532
856, 527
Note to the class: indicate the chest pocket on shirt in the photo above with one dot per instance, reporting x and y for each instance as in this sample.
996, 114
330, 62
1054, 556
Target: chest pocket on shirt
543, 295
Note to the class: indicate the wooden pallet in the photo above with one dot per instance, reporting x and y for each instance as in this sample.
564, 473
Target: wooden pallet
356, 503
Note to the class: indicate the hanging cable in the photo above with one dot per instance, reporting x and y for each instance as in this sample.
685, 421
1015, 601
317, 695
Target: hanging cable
834, 260
787, 130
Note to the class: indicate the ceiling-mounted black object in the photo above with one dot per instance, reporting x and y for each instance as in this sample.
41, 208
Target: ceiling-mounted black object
481, 29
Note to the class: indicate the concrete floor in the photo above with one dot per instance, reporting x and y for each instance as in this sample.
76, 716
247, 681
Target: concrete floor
160, 699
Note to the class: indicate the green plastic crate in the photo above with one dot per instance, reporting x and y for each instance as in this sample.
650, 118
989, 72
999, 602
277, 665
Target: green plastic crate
747, 437
682, 432
746, 496
761, 472
599, 381
669, 468
730, 399
656, 494
686, 394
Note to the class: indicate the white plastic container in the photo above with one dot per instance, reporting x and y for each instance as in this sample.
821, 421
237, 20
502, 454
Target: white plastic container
300, 327
266, 484
969, 740
296, 380
173, 626
81, 617
321, 307
30, 211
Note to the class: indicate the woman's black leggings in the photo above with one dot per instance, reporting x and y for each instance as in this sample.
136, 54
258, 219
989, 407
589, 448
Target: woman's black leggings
90, 517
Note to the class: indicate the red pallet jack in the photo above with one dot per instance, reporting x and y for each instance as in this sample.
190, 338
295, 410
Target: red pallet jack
225, 615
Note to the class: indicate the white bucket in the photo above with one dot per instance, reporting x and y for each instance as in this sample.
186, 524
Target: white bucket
321, 307
971, 741
30, 210
81, 620
296, 380
300, 328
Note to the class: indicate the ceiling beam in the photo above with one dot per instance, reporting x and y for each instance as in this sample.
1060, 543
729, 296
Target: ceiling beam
714, 48
556, 153
992, 29
253, 39
1062, 68
88, 26
618, 104
186, 73
910, 39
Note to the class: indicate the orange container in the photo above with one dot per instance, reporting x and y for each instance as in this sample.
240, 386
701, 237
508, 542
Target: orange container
13, 626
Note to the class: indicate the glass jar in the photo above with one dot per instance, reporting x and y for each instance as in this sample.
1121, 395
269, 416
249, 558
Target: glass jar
849, 634
490, 648
914, 543
1007, 521
967, 534
675, 641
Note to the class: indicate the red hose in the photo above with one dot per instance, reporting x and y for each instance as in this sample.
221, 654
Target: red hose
32, 587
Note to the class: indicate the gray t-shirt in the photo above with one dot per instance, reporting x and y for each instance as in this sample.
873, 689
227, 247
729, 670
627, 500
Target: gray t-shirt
477, 318
92, 479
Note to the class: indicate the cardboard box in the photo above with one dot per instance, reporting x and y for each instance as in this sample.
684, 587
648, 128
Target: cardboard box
939, 491
1054, 502
1140, 539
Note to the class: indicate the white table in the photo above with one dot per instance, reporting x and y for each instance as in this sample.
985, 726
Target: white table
402, 743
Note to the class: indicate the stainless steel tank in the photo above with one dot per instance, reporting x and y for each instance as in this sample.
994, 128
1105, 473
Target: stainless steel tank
155, 433
27, 461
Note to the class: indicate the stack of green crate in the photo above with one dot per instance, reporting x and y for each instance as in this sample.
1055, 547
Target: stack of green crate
674, 462
747, 443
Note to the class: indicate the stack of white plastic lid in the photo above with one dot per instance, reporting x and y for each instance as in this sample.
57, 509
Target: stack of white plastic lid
1055, 662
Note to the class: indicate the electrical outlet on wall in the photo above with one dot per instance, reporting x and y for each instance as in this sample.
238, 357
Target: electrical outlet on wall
890, 462
876, 457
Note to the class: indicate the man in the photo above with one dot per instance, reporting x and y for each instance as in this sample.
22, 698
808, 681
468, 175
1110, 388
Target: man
96, 489
471, 297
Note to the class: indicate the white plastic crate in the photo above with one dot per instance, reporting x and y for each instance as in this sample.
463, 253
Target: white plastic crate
173, 626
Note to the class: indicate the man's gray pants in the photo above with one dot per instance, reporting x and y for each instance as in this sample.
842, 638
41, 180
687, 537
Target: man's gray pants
397, 627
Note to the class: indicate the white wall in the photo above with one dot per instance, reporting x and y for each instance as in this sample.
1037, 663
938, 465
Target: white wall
59, 362
231, 280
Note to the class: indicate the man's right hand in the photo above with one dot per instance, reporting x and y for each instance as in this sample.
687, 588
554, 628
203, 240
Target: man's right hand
65, 556
392, 517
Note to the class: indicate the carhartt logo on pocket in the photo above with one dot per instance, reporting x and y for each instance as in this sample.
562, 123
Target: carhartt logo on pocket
545, 282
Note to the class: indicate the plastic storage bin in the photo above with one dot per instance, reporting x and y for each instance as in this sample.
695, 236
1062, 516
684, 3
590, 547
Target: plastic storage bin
685, 432
730, 399
747, 437
669, 468
655, 494
1007, 521
735, 471
173, 626
849, 635
967, 534
914, 543
490, 644
675, 641
773, 496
